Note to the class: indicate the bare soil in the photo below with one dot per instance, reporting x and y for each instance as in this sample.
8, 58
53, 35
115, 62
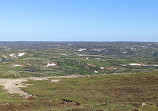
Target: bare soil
12, 86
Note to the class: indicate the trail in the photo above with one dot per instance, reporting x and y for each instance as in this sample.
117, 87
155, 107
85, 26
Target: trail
12, 86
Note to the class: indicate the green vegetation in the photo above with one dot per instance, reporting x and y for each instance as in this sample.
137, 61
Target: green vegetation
124, 91
83, 58
130, 68
109, 92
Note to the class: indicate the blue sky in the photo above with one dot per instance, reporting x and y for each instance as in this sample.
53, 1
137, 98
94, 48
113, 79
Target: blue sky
78, 20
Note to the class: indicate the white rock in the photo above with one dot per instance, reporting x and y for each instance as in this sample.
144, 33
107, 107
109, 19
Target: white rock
95, 71
154, 65
135, 64
143, 104
48, 65
80, 49
102, 68
98, 50
21, 54
12, 55
17, 65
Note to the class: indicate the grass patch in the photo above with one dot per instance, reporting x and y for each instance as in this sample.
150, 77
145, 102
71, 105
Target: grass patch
128, 90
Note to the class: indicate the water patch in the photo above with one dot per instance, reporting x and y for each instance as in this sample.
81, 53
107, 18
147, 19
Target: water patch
26, 70
5, 60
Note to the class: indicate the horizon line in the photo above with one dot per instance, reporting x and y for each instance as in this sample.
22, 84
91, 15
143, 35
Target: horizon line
70, 41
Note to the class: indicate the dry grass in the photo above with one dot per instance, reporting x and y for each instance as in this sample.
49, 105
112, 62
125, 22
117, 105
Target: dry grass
124, 92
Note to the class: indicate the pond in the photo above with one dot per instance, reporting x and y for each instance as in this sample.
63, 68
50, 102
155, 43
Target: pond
27, 70
5, 60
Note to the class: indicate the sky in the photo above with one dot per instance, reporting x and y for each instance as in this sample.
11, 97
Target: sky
79, 20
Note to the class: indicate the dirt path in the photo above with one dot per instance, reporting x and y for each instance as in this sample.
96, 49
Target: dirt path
12, 86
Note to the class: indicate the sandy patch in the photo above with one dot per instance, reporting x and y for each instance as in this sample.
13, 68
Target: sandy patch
13, 86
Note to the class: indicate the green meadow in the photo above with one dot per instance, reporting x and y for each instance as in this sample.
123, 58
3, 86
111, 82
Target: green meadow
120, 92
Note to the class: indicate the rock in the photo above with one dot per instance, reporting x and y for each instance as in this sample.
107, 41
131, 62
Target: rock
143, 104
